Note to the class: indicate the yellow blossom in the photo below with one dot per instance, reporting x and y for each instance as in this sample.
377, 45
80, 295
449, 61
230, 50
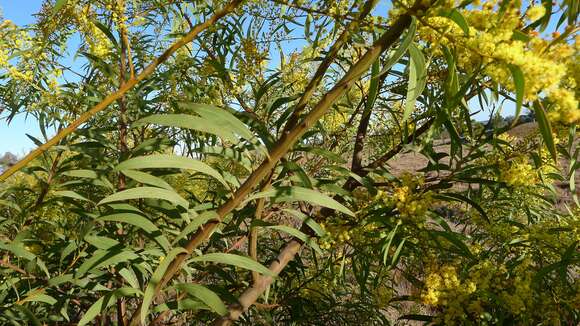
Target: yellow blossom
536, 12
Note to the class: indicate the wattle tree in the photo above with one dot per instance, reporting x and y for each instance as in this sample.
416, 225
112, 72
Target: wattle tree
292, 162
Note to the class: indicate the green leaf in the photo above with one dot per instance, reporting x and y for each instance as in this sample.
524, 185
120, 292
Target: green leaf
18, 250
387, 246
417, 79
131, 218
105, 302
402, 49
149, 293
286, 194
397, 254
322, 152
146, 192
31, 317
10, 204
306, 219
452, 81
519, 83
36, 296
209, 119
101, 242
100, 305
374, 85
461, 198
140, 222
235, 260
545, 129
89, 174
457, 17
58, 6
165, 161
70, 194
106, 31
129, 275
195, 224
102, 258
147, 178
456, 240
188, 122
206, 295
297, 234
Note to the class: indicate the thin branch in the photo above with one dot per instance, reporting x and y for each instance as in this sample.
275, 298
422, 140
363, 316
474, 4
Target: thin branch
252, 294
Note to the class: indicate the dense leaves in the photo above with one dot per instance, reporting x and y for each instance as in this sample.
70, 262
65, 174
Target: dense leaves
274, 162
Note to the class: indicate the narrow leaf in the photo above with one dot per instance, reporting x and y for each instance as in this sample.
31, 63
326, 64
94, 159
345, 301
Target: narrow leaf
147, 178
58, 6
235, 260
286, 194
545, 130
417, 79
519, 83
195, 224
146, 192
402, 49
458, 18
149, 294
165, 161
206, 295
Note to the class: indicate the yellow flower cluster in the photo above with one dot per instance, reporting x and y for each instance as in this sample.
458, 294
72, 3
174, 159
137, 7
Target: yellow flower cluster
411, 203
295, 73
442, 283
335, 234
26, 76
334, 121
95, 38
466, 298
536, 12
17, 42
491, 43
3, 58
117, 9
518, 173
253, 60
339, 8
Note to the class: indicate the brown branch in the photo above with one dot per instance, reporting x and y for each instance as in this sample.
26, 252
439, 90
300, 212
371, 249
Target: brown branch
252, 294
352, 183
6, 263
122, 90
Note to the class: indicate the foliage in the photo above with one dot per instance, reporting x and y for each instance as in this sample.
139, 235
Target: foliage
198, 142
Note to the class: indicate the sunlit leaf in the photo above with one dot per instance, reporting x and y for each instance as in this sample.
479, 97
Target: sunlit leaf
146, 192
289, 194
235, 260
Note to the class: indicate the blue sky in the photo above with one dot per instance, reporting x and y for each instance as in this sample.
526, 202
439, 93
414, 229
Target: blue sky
13, 138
